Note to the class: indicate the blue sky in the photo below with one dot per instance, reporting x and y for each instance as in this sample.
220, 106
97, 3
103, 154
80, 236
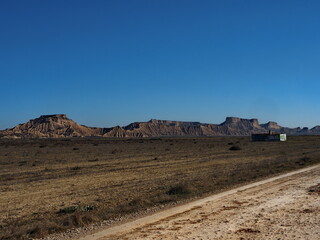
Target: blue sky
107, 63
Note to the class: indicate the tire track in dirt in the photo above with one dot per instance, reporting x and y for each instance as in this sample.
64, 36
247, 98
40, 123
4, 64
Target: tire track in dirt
279, 207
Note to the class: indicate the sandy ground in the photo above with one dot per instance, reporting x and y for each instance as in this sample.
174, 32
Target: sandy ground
277, 208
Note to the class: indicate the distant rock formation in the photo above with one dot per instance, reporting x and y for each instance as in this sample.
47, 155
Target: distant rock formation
60, 126
315, 130
271, 126
50, 126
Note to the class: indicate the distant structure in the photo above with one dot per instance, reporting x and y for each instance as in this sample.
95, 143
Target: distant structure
281, 137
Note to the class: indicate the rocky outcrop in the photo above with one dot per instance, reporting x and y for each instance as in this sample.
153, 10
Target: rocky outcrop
239, 126
60, 126
315, 130
50, 126
273, 126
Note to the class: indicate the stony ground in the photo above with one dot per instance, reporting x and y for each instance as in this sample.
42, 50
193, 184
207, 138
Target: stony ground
282, 208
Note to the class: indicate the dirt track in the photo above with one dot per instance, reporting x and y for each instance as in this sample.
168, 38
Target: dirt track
277, 208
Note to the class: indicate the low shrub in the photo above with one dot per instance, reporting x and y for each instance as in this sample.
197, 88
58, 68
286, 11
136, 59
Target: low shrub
76, 168
73, 209
235, 148
179, 190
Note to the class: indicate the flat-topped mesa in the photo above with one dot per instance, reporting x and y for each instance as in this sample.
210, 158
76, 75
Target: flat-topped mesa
232, 120
271, 125
173, 123
162, 122
51, 126
155, 121
236, 120
61, 118
54, 116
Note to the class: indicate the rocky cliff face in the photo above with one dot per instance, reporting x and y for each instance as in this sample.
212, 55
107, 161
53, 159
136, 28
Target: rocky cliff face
60, 126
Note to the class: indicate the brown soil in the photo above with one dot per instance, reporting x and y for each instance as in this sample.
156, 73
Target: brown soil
52, 185
278, 208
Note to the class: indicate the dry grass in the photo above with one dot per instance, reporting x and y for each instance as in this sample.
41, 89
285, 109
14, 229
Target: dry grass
52, 185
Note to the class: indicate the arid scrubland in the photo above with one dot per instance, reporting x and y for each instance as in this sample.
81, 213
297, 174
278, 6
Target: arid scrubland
50, 185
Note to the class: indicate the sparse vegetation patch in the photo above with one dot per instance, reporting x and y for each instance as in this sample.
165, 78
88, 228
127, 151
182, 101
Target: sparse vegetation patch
235, 148
179, 190
73, 209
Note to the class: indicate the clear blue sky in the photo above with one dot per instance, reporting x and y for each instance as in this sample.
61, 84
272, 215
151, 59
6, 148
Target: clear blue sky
107, 63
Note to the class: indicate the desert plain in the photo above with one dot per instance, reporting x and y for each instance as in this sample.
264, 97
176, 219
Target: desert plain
49, 186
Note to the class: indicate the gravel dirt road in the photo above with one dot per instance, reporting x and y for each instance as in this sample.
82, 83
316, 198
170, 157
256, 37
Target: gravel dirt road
277, 208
